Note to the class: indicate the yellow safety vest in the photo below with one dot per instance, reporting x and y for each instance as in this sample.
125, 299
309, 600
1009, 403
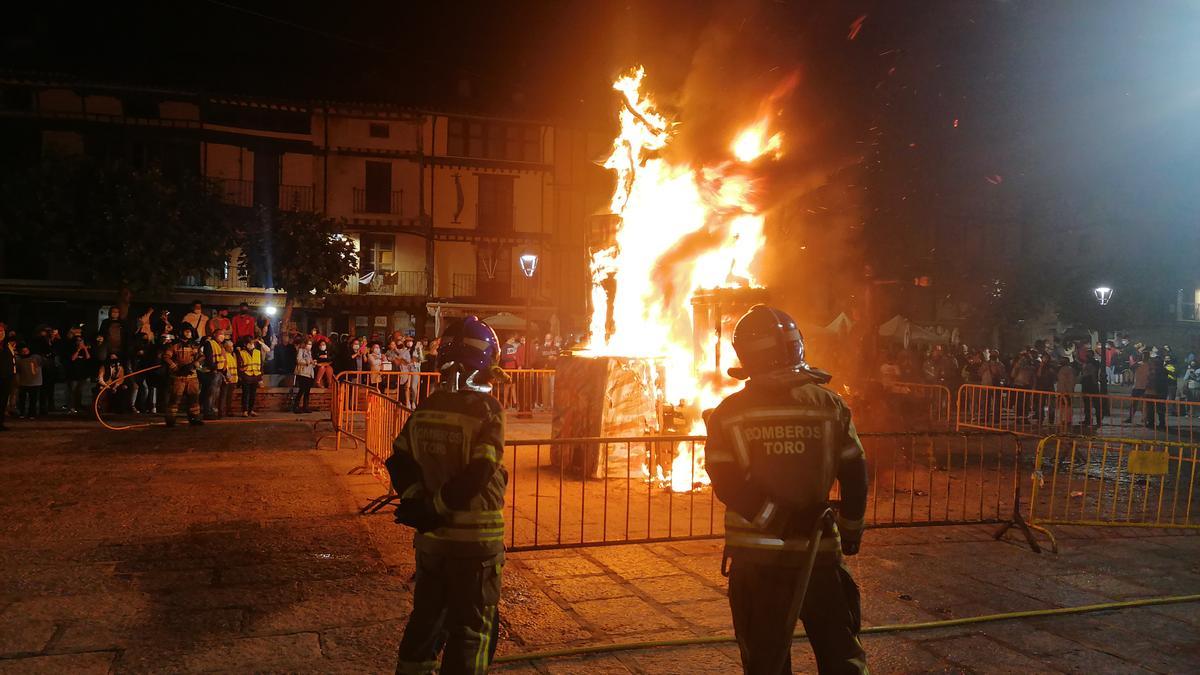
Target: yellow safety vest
250, 362
219, 363
231, 371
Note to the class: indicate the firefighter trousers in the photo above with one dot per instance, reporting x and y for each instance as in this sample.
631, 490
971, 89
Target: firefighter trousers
454, 613
184, 391
763, 623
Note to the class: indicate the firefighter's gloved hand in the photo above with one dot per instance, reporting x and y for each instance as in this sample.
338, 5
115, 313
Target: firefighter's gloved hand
418, 514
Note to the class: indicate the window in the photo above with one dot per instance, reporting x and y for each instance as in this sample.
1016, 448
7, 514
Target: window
379, 130
378, 187
456, 138
493, 140
377, 253
495, 208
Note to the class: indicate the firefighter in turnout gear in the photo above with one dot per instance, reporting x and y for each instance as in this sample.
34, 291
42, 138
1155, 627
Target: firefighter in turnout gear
774, 450
179, 361
446, 468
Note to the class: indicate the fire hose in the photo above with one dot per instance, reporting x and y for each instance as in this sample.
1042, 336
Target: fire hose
868, 630
143, 425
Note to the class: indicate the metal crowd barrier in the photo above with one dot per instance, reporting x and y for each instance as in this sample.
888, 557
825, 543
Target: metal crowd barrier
1031, 412
595, 491
934, 400
528, 389
1130, 482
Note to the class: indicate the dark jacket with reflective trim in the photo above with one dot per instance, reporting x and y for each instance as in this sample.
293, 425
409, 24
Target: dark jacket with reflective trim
774, 450
450, 452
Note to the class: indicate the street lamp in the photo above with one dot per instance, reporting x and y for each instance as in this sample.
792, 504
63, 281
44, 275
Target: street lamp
1103, 295
528, 263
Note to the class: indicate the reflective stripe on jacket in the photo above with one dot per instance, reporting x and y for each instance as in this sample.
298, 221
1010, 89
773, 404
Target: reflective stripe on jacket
774, 451
450, 452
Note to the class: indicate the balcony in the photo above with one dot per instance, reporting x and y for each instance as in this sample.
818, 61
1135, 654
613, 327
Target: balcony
521, 286
235, 191
296, 197
1188, 311
389, 203
240, 192
462, 286
388, 283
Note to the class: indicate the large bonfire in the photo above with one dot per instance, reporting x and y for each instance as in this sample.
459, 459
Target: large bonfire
682, 228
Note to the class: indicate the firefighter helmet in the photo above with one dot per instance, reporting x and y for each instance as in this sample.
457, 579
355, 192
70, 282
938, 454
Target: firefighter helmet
468, 350
767, 340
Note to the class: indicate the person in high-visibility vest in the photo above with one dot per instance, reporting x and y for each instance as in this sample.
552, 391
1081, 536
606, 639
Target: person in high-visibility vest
446, 467
773, 452
212, 372
231, 377
250, 370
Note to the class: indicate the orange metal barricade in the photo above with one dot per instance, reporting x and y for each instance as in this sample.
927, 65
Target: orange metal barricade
526, 390
934, 398
1032, 412
1130, 482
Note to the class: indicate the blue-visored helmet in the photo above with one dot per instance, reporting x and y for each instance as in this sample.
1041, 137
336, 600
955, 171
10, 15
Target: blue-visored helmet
767, 340
470, 344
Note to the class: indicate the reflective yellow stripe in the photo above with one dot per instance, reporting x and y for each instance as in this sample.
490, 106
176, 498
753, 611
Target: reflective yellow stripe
413, 490
466, 534
851, 525
476, 517
759, 540
486, 451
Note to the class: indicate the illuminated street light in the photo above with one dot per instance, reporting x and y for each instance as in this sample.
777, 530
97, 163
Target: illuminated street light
270, 310
1103, 295
529, 263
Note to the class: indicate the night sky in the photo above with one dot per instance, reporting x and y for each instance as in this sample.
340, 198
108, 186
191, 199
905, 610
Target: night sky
1073, 108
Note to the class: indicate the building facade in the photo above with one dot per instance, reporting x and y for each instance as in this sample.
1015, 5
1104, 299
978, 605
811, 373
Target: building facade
440, 205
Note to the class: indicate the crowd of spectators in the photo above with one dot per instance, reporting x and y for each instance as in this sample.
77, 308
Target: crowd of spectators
145, 363
1150, 372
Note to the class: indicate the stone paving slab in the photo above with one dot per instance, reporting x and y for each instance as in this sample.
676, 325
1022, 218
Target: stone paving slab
236, 548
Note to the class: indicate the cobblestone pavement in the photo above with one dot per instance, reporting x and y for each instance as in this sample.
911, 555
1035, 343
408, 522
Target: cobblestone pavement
236, 548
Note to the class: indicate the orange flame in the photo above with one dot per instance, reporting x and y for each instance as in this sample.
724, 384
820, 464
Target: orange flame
682, 228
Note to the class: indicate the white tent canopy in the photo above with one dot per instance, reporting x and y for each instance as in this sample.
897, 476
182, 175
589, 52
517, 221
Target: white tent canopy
841, 324
505, 321
900, 328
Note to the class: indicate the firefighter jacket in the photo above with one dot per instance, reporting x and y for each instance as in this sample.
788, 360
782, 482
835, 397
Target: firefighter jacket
774, 450
181, 363
450, 452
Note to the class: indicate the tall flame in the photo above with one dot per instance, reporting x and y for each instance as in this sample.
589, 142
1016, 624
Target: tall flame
682, 228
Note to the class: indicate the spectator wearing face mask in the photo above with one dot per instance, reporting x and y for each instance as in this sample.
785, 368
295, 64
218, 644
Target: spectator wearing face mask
29, 378
113, 330
197, 319
250, 370
359, 361
231, 378
243, 325
374, 364
305, 375
79, 372
112, 378
323, 359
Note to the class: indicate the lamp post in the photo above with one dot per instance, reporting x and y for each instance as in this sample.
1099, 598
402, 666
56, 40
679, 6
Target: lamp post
1103, 295
529, 263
